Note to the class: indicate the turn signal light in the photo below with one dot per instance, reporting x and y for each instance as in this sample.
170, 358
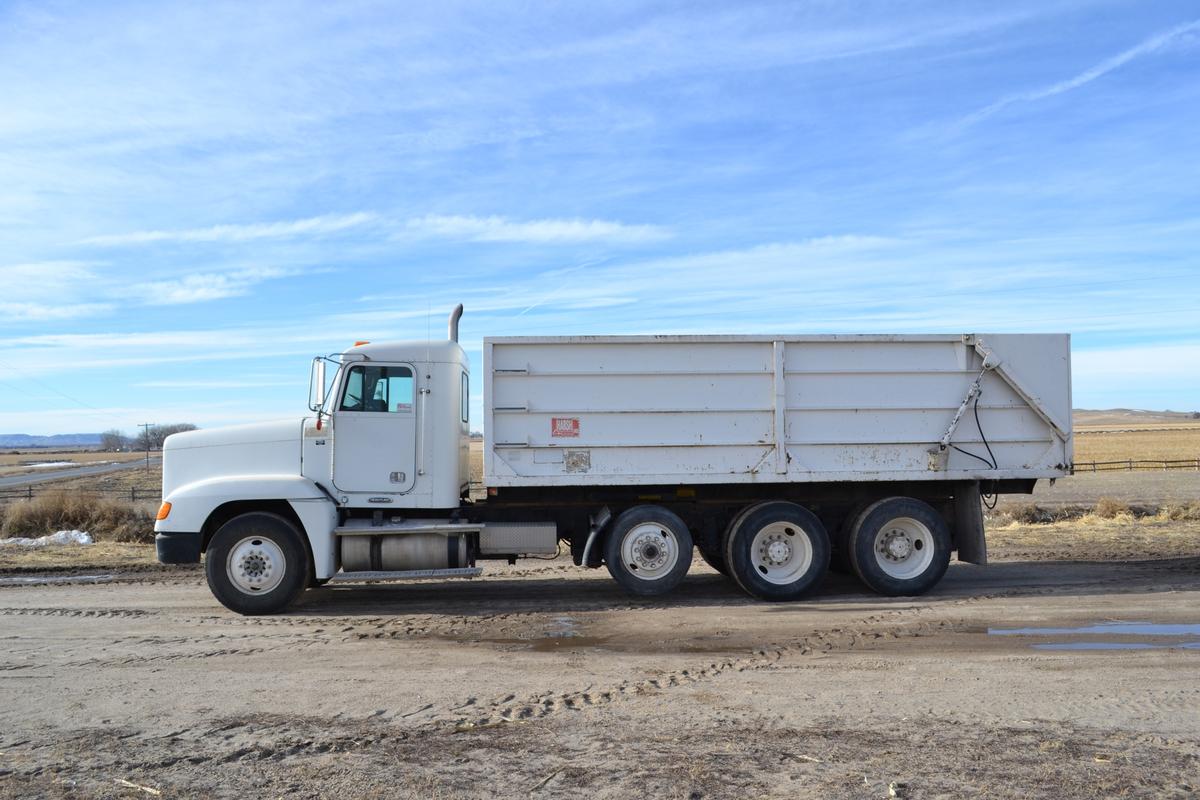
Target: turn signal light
361, 343
163, 511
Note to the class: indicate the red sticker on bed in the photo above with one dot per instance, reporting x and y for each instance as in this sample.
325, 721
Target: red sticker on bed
564, 426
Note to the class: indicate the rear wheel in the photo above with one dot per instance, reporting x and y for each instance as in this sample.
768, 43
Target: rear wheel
648, 550
256, 564
777, 551
899, 546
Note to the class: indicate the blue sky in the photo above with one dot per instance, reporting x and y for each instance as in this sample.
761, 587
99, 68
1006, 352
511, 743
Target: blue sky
195, 198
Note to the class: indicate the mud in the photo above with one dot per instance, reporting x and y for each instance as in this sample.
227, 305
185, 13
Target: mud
545, 681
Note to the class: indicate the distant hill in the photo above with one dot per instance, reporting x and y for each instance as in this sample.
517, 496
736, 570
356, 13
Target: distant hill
1131, 416
16, 440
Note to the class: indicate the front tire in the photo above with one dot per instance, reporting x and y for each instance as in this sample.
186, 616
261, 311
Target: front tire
777, 551
256, 564
899, 546
648, 550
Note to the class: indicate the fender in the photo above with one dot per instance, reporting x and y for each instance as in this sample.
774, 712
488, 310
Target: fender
193, 503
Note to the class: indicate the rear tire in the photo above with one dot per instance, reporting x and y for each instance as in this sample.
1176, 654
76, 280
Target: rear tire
839, 559
900, 546
777, 551
648, 550
256, 564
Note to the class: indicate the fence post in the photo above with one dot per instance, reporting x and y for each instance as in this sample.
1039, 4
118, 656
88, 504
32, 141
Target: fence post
1131, 465
30, 489
133, 494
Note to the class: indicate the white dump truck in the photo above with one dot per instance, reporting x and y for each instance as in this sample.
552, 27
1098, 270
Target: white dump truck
772, 456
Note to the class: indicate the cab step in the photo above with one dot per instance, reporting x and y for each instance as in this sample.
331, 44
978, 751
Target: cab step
406, 575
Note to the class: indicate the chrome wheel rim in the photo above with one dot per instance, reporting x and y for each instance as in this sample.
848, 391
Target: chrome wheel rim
256, 565
781, 553
904, 548
650, 551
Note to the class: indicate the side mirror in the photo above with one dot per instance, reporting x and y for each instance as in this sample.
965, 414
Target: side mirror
316, 385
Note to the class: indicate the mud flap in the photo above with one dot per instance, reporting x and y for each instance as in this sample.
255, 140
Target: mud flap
968, 524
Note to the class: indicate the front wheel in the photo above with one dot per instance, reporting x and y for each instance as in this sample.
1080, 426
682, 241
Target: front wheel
648, 550
777, 551
255, 564
899, 546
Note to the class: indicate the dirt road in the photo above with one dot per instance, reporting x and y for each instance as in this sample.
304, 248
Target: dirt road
546, 681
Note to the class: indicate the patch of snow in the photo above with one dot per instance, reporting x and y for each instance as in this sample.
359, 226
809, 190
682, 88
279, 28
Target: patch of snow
49, 464
62, 537
27, 581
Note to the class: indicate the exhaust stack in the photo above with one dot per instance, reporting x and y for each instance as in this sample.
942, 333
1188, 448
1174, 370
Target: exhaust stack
452, 332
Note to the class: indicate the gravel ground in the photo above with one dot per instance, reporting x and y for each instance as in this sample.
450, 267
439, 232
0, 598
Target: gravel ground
545, 681
1036, 676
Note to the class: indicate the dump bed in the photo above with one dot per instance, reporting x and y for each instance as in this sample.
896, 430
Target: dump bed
753, 409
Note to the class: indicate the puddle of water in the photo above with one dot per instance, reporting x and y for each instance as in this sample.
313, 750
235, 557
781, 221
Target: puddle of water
563, 628
35, 581
1116, 646
1104, 629
551, 644
1113, 636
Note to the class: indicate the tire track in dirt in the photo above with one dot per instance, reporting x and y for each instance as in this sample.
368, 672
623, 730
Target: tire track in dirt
92, 613
508, 709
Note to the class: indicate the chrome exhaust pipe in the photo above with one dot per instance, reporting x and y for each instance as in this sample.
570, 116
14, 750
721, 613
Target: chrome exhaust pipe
452, 332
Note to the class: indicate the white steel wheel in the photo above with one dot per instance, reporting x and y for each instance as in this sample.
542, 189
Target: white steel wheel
781, 553
777, 551
904, 548
899, 546
650, 551
255, 565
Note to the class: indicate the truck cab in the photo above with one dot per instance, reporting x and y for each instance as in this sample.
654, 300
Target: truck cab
391, 430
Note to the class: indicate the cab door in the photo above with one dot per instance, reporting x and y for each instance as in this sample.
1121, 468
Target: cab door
375, 430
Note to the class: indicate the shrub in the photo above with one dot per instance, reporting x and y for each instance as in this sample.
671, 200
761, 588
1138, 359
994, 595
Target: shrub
1030, 514
103, 518
1108, 508
1188, 512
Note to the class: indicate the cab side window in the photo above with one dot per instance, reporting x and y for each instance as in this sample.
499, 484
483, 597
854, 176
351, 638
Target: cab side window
384, 389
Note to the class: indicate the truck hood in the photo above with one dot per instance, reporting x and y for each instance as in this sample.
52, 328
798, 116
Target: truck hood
261, 448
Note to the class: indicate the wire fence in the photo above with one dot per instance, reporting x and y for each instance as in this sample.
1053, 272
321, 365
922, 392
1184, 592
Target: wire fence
132, 494
1135, 464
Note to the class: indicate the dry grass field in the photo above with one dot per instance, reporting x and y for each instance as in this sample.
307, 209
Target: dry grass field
20, 462
1168, 441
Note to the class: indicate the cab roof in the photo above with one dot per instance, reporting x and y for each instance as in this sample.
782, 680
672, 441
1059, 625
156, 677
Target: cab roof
441, 352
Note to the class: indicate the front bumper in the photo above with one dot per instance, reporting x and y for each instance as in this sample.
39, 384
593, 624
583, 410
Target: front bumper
178, 548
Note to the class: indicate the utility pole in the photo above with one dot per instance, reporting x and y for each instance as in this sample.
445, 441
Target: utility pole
146, 426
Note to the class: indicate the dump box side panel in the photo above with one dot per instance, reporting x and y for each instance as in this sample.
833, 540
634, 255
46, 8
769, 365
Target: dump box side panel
641, 410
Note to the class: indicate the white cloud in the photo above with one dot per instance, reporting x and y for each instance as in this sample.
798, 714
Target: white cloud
1176, 361
47, 291
311, 226
49, 312
544, 231
248, 382
201, 287
1146, 47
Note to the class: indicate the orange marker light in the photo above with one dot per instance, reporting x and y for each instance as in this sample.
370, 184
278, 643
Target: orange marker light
360, 344
163, 511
